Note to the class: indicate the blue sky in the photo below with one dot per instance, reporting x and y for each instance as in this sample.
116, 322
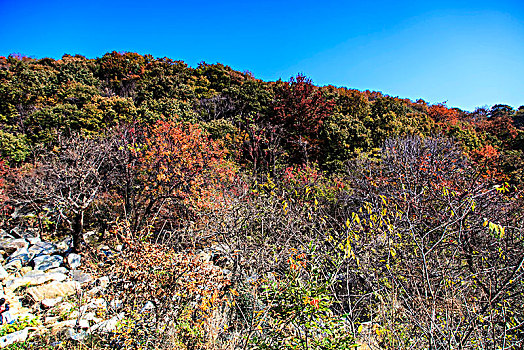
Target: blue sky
468, 53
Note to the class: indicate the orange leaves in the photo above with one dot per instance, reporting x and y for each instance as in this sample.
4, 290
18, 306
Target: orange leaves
178, 163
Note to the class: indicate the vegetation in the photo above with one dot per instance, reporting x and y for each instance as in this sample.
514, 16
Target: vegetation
270, 215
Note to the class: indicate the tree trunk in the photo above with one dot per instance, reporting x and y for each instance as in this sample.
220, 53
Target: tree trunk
78, 227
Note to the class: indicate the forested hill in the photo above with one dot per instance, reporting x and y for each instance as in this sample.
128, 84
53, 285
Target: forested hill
270, 124
220, 211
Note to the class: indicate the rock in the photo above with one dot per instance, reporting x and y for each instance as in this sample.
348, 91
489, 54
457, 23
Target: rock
49, 303
90, 237
25, 270
147, 307
89, 316
21, 254
33, 240
46, 262
65, 308
43, 248
83, 324
80, 276
3, 273
75, 335
74, 261
51, 320
12, 245
65, 246
53, 290
13, 266
103, 281
94, 304
107, 326
33, 280
60, 269
16, 337
59, 327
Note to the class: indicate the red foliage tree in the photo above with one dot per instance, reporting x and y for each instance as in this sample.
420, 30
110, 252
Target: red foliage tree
300, 109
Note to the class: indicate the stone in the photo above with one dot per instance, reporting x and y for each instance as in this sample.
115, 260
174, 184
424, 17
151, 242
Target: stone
108, 325
90, 237
60, 269
15, 337
25, 270
83, 324
13, 265
53, 290
43, 248
12, 245
75, 335
33, 240
94, 304
3, 273
22, 254
65, 246
51, 320
80, 276
65, 308
46, 262
59, 327
49, 303
89, 316
33, 280
74, 261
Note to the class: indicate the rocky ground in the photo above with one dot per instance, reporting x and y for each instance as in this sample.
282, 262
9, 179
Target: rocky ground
51, 291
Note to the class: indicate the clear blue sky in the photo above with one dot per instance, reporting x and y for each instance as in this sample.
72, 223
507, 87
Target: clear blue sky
468, 53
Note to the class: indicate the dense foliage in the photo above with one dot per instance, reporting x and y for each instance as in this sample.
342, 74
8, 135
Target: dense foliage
271, 215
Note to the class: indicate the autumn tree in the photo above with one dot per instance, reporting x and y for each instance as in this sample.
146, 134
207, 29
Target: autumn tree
300, 109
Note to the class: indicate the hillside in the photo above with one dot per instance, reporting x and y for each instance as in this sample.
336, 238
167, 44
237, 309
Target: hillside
225, 212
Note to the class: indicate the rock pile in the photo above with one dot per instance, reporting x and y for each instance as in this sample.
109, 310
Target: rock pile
43, 281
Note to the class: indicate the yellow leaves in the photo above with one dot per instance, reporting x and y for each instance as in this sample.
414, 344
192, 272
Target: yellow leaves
355, 218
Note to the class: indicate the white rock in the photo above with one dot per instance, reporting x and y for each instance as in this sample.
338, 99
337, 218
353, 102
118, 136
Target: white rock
65, 245
3, 273
33, 280
43, 248
46, 262
53, 290
12, 338
107, 326
49, 303
74, 261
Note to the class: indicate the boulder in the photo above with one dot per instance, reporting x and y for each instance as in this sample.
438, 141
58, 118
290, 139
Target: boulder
60, 269
43, 248
53, 290
65, 246
46, 262
80, 276
15, 337
49, 303
74, 261
22, 254
11, 245
13, 265
33, 280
